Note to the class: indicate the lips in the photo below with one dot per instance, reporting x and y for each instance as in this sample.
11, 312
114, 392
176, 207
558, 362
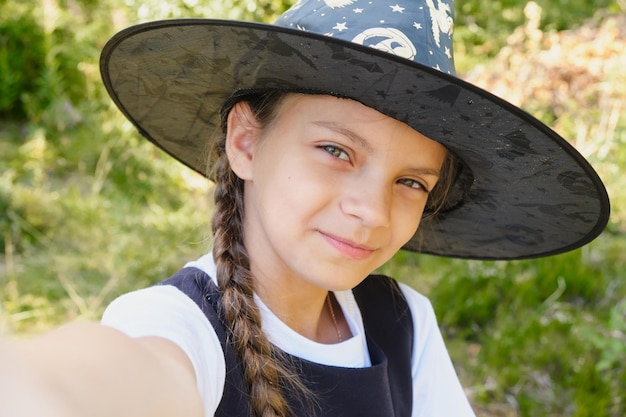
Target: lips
348, 248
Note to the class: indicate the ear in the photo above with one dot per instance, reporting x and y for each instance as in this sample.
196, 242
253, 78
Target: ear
242, 132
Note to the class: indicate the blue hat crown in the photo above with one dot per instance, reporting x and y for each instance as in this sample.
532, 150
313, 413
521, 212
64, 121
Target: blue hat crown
419, 30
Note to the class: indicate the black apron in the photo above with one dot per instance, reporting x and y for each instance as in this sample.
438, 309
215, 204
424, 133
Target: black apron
382, 390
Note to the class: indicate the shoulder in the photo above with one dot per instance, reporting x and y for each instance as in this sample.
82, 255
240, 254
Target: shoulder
382, 299
420, 306
436, 387
165, 311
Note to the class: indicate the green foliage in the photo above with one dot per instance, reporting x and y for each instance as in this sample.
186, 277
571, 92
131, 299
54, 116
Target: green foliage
549, 332
88, 209
22, 62
491, 22
482, 27
261, 11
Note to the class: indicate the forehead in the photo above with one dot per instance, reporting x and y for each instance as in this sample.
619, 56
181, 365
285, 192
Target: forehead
363, 127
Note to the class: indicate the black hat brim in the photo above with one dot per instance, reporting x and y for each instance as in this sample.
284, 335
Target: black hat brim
533, 194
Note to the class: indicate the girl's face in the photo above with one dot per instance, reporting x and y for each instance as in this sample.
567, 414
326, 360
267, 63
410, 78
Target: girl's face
332, 189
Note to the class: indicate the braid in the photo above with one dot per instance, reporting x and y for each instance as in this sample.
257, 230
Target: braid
265, 372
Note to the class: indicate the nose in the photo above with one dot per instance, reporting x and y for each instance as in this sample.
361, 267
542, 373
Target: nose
369, 202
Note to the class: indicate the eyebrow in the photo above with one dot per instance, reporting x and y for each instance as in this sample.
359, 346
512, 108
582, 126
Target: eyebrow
360, 141
426, 171
349, 134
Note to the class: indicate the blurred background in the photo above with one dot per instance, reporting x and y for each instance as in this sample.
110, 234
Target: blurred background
89, 210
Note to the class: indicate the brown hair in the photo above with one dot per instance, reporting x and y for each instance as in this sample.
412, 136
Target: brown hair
266, 372
439, 198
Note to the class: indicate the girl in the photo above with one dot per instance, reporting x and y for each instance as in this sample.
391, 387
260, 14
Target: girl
343, 130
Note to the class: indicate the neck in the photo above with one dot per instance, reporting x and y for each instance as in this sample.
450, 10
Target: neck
307, 312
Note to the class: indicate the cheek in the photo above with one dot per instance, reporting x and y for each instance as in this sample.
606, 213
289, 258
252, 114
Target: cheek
406, 220
292, 194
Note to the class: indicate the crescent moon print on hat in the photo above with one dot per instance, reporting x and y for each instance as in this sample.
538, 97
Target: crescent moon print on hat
425, 35
525, 191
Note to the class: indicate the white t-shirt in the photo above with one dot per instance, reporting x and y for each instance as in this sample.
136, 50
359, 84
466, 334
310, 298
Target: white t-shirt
167, 312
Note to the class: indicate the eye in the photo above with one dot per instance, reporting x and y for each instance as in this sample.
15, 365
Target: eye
411, 183
337, 152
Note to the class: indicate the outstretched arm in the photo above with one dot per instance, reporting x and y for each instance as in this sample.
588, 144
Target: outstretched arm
87, 369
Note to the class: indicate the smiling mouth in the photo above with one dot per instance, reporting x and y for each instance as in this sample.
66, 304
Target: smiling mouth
348, 248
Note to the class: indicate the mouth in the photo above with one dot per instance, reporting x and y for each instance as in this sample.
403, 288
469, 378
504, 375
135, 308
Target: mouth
348, 248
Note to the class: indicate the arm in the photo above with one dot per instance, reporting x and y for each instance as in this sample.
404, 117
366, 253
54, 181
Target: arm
87, 369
